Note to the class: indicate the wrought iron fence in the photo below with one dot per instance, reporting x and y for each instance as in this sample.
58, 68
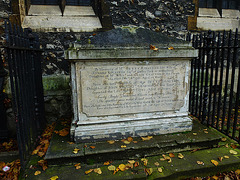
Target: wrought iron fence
24, 62
215, 81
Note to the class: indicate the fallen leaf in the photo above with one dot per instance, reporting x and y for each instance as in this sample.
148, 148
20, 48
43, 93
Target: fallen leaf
152, 47
224, 139
106, 163
180, 156
146, 138
233, 152
145, 161
130, 139
214, 162
162, 159
37, 173
126, 142
54, 178
123, 146
160, 170
148, 171
70, 142
194, 134
92, 147
170, 48
98, 171
78, 166
206, 132
237, 171
156, 164
75, 151
200, 162
220, 159
194, 150
234, 146
122, 167
135, 142
131, 161
215, 177
88, 171
40, 154
226, 145
111, 141
111, 168
226, 157
35, 151
171, 155
117, 169
129, 166
63, 132
136, 164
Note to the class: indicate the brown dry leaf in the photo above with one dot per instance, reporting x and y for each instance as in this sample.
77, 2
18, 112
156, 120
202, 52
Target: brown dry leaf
136, 164
237, 171
2, 164
63, 132
146, 138
152, 47
234, 146
194, 150
160, 170
214, 162
145, 161
122, 167
131, 161
106, 163
88, 171
156, 164
135, 142
233, 152
226, 157
224, 139
75, 151
92, 147
170, 48
220, 159
130, 139
111, 141
171, 155
111, 168
126, 142
117, 169
180, 156
37, 173
128, 166
54, 178
194, 134
123, 146
70, 142
148, 171
98, 171
206, 132
40, 154
200, 162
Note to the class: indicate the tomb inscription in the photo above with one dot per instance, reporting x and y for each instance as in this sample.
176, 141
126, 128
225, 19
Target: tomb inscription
127, 89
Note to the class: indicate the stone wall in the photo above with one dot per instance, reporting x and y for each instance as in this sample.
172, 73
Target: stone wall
5, 10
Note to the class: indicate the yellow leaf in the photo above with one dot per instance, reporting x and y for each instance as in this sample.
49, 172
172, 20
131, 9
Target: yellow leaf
117, 169
145, 161
146, 138
214, 162
122, 167
160, 170
35, 151
135, 142
98, 171
88, 171
206, 132
200, 162
78, 164
220, 159
171, 155
123, 146
111, 168
149, 171
131, 161
226, 157
170, 48
237, 171
54, 178
37, 173
70, 142
75, 151
226, 145
92, 147
233, 152
180, 156
111, 142
128, 166
215, 177
126, 142
194, 134
106, 163
78, 167
156, 164
162, 159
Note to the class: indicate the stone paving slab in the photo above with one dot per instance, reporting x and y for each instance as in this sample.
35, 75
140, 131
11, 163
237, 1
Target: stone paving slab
60, 148
177, 169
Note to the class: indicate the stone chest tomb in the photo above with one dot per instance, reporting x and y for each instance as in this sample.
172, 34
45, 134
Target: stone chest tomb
121, 87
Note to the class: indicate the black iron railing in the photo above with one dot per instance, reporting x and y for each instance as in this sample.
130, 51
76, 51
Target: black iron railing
24, 61
215, 81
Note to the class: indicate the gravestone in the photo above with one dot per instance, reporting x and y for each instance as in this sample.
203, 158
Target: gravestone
129, 84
